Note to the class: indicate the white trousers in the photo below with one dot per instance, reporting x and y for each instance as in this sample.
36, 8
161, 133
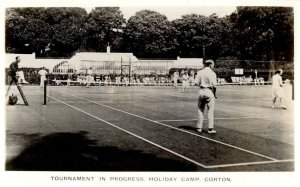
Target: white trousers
43, 78
206, 102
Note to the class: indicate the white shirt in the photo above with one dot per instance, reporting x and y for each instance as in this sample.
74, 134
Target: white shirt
176, 75
276, 81
206, 78
20, 74
42, 72
185, 77
89, 72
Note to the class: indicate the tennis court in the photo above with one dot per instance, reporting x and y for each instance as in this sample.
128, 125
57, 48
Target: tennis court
148, 128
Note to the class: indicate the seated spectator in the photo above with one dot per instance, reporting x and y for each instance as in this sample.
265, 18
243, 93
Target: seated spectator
74, 76
261, 80
21, 78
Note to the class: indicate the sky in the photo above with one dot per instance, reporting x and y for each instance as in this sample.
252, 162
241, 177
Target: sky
176, 12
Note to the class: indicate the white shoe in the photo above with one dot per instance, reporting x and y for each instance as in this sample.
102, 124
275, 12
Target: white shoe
199, 130
211, 131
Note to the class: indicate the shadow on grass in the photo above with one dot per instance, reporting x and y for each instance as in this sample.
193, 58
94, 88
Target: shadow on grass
75, 152
188, 128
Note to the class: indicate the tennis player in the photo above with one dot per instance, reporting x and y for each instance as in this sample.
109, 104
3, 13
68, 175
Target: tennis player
89, 77
185, 82
277, 88
206, 80
42, 74
175, 78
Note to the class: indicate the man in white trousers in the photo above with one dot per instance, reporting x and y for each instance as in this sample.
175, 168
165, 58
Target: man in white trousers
42, 74
89, 77
206, 80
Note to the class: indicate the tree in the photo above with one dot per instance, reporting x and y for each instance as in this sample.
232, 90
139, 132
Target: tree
68, 30
25, 31
197, 34
149, 34
33, 29
191, 35
264, 33
219, 37
103, 25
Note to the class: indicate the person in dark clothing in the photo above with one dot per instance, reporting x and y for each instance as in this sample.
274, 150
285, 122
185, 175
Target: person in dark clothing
13, 78
74, 76
13, 69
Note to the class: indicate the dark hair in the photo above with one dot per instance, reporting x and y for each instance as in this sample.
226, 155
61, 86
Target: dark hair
278, 71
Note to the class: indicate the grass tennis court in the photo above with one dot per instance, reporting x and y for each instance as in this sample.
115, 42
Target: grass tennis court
147, 128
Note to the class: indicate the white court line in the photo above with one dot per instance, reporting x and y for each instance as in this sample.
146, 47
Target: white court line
176, 120
108, 94
222, 143
205, 119
254, 99
137, 136
196, 105
196, 99
221, 98
167, 99
249, 163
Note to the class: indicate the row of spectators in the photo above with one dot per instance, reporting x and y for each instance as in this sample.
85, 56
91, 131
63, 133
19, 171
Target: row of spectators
115, 80
32, 77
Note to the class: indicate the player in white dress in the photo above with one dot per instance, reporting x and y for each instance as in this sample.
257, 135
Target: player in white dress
277, 88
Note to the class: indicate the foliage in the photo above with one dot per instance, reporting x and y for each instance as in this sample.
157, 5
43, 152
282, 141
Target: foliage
264, 33
68, 30
150, 34
103, 25
25, 31
252, 33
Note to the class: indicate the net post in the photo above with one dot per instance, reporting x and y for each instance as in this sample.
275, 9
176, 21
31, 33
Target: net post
45, 92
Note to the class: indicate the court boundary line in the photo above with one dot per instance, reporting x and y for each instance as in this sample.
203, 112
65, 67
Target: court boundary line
137, 136
263, 98
173, 152
241, 112
109, 94
206, 119
147, 119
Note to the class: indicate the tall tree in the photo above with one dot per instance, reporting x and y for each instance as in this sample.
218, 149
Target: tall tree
103, 25
25, 31
68, 30
35, 29
264, 33
149, 34
191, 35
200, 36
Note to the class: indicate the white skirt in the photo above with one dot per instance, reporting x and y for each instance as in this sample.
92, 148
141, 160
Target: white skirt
278, 92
